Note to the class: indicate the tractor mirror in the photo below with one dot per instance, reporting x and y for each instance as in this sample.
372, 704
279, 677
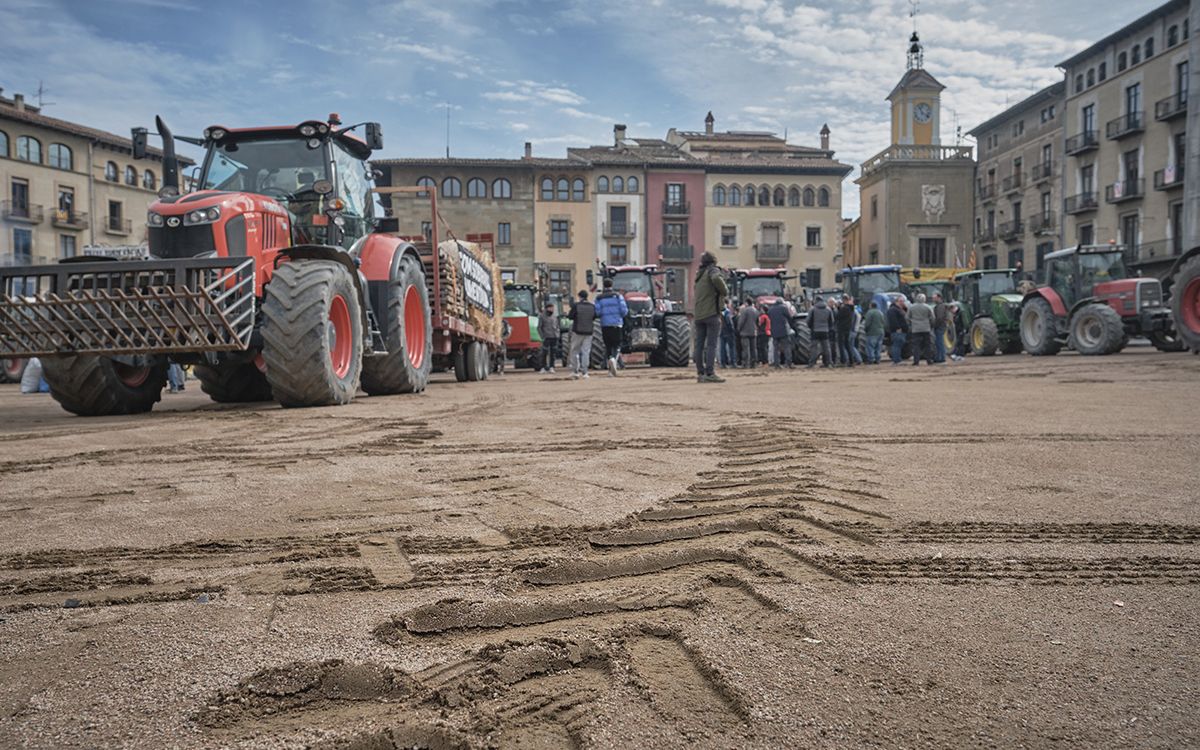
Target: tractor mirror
374, 135
671, 275
139, 143
837, 277
591, 278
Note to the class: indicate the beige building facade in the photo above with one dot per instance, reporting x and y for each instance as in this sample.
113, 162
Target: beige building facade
564, 225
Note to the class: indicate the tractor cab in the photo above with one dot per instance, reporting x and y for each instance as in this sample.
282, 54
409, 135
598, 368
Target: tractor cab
763, 285
519, 299
654, 324
879, 284
977, 288
930, 287
642, 291
1074, 273
522, 341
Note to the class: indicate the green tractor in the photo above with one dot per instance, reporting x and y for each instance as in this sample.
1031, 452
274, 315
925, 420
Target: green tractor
990, 301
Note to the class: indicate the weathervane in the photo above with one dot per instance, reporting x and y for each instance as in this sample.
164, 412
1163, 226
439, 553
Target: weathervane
916, 53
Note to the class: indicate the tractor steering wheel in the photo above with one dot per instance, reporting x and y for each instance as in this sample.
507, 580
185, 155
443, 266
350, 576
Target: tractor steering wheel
272, 191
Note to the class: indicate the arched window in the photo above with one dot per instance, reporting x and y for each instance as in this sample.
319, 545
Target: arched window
60, 156
735, 196
1122, 62
631, 185
1102, 71
1091, 77
1079, 83
602, 185
562, 189
547, 189
110, 172
1149, 48
148, 180
501, 188
1172, 36
3, 144
779, 199
823, 197
750, 195
764, 196
618, 185
131, 176
810, 197
451, 187
29, 149
476, 188
578, 186
794, 196
1135, 54
719, 195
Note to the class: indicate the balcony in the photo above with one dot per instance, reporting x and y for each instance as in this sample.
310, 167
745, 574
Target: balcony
986, 236
1011, 184
1077, 204
1125, 190
1125, 125
1085, 141
67, 219
987, 192
771, 252
1157, 250
620, 230
1042, 223
1171, 107
1169, 178
117, 225
677, 208
676, 253
919, 154
1011, 230
28, 213
1042, 172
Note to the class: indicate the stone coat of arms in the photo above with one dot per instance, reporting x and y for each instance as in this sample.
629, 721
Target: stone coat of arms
933, 202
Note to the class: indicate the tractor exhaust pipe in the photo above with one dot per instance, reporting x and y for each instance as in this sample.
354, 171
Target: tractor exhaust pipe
170, 161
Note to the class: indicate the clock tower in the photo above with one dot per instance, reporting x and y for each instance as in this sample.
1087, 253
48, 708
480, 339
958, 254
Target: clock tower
916, 102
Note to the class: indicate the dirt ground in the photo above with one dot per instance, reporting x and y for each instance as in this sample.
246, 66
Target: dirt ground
998, 553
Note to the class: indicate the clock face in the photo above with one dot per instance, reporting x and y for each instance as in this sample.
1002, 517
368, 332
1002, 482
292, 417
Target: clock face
922, 112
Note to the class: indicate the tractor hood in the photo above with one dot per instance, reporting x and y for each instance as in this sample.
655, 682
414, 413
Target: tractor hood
215, 222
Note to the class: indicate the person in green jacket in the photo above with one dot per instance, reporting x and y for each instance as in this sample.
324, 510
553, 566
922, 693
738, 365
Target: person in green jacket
710, 293
873, 325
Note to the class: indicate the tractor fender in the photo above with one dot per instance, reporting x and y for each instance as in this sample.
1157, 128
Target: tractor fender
1052, 297
337, 255
379, 257
1168, 280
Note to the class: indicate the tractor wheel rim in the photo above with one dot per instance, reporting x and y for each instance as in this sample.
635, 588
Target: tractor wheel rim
414, 326
977, 338
260, 363
1190, 305
131, 376
12, 367
1088, 331
340, 336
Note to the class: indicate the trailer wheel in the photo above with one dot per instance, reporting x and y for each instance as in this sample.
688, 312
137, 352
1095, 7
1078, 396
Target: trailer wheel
1038, 332
1185, 303
476, 361
460, 363
985, 337
11, 369
312, 334
93, 386
1097, 329
405, 368
234, 382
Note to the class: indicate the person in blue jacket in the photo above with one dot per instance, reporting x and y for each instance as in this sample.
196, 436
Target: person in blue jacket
611, 310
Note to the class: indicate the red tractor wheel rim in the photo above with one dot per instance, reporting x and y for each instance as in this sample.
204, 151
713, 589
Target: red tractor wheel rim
12, 367
414, 326
260, 362
131, 376
1190, 307
341, 336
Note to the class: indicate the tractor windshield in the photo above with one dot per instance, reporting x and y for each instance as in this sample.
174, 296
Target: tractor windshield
870, 284
632, 281
1097, 268
996, 283
518, 301
762, 286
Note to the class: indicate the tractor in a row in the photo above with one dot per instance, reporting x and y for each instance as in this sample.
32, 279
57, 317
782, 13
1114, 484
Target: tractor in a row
765, 287
991, 307
655, 325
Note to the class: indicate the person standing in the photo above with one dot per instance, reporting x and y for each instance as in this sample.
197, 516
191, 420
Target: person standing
583, 318
897, 328
845, 325
611, 310
873, 327
920, 324
959, 315
548, 330
821, 324
176, 378
747, 329
709, 292
762, 339
781, 333
728, 335
941, 320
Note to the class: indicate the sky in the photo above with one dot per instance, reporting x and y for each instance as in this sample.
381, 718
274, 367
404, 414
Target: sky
556, 74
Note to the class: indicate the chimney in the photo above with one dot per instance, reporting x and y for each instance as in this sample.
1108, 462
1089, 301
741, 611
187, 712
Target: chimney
618, 134
19, 102
825, 137
708, 124
528, 150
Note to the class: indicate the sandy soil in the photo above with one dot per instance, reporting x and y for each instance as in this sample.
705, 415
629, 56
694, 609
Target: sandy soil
1000, 553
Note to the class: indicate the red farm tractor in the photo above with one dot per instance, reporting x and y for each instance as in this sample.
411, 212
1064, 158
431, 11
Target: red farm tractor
269, 278
655, 325
1090, 304
765, 286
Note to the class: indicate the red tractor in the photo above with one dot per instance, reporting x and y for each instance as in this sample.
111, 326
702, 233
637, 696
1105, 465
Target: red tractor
655, 325
1091, 305
269, 278
765, 286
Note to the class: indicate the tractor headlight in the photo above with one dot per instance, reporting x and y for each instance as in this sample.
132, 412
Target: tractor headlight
153, 219
308, 131
217, 134
202, 216
314, 143
168, 191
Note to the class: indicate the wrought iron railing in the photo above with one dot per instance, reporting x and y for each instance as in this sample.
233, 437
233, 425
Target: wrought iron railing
1085, 141
1127, 124
1124, 190
22, 211
1171, 107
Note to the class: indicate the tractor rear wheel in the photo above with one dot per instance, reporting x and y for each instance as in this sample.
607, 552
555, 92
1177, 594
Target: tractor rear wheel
11, 369
596, 361
94, 386
1039, 335
1185, 303
985, 337
405, 368
803, 343
677, 342
1167, 341
234, 382
312, 334
1097, 329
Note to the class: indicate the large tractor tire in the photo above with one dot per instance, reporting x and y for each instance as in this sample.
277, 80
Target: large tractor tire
1167, 341
1039, 335
802, 348
476, 361
460, 363
234, 382
677, 343
94, 386
985, 337
1097, 329
1185, 303
11, 369
596, 360
312, 334
405, 368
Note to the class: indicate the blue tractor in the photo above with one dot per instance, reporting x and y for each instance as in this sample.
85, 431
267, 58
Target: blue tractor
866, 284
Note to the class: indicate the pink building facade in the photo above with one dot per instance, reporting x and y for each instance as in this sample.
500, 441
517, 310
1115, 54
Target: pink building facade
675, 224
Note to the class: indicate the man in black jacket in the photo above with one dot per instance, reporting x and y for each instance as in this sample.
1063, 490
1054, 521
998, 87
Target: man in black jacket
583, 319
845, 326
897, 327
820, 322
781, 333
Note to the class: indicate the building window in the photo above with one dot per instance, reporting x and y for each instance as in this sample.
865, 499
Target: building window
560, 233
779, 196
426, 182
578, 187
618, 185
1088, 118
764, 196
559, 280
1102, 71
874, 206
1133, 99
22, 246
728, 235
149, 181
631, 185
735, 196
602, 185
675, 234
1149, 48
1087, 179
1122, 62
812, 237
451, 187
1079, 83
116, 216
66, 246
931, 251
1042, 250
794, 197
60, 156
1091, 77
618, 255
823, 197
1135, 55
812, 278
476, 188
547, 189
501, 188
29, 149
719, 195
1016, 257
1086, 234
3, 144
504, 233
1172, 36
131, 176
873, 254
562, 189
750, 195
990, 261
66, 199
